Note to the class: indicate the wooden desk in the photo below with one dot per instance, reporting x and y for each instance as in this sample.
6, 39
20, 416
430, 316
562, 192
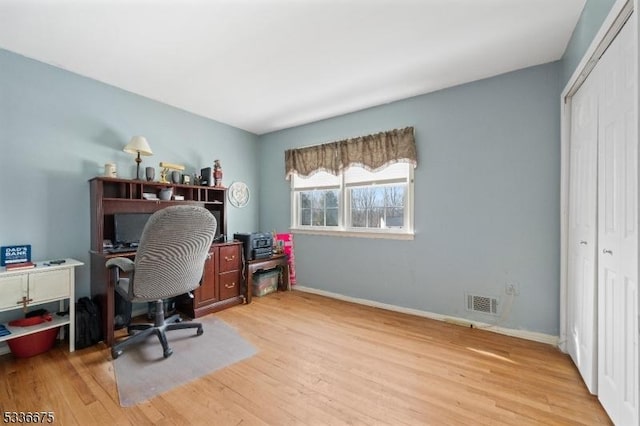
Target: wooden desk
275, 261
219, 289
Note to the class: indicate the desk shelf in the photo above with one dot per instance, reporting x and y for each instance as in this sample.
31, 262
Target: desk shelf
276, 261
25, 331
110, 196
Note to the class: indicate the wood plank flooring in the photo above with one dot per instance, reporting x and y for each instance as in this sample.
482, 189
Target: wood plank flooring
325, 362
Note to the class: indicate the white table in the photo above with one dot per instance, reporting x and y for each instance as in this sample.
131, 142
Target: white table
46, 283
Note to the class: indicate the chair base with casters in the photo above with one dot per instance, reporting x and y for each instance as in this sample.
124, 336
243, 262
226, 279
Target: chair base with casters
140, 332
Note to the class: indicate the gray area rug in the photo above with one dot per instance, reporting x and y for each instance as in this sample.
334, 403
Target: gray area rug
142, 372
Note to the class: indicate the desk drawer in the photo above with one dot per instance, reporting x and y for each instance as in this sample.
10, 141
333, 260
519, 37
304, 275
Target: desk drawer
229, 285
230, 258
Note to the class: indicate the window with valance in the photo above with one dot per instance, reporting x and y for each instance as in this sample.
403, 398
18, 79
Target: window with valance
361, 185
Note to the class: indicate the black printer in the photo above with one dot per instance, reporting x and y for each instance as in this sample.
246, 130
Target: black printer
257, 245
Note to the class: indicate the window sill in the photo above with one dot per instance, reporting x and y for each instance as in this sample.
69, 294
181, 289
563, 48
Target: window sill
358, 234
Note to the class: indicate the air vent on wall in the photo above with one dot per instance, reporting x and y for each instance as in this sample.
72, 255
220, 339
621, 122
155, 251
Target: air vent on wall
484, 304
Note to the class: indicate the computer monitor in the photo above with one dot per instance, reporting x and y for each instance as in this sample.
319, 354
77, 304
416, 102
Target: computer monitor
216, 214
128, 227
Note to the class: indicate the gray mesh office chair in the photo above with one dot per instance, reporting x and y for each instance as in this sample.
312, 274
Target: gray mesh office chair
169, 262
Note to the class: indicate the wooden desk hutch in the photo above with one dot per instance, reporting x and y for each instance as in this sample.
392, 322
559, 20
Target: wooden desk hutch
222, 280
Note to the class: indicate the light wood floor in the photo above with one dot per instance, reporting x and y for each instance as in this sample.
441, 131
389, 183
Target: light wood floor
322, 361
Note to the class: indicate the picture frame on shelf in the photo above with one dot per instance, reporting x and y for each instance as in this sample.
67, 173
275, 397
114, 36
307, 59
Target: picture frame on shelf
15, 254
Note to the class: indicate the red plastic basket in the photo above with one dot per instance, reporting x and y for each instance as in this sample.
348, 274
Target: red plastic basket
33, 344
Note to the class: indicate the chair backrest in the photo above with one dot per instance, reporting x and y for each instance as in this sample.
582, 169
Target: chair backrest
173, 247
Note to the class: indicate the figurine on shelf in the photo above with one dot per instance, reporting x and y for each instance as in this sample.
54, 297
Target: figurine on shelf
217, 173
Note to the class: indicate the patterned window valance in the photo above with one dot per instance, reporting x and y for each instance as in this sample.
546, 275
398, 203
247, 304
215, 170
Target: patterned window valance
371, 152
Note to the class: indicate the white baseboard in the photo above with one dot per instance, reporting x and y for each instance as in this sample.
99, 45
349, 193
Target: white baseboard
523, 334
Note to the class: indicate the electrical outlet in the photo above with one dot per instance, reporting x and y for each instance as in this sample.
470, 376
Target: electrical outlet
512, 289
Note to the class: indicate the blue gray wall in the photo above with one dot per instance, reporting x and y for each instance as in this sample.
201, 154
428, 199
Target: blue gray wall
486, 201
487, 196
57, 129
487, 187
593, 14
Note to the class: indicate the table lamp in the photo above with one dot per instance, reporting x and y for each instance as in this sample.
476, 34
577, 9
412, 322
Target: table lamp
138, 145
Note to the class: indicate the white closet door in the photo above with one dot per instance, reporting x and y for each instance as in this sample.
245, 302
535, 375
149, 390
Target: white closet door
618, 233
581, 289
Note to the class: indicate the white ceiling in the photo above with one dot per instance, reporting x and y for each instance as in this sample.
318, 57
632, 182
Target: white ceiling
265, 65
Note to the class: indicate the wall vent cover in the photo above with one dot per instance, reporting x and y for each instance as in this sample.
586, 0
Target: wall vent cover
483, 304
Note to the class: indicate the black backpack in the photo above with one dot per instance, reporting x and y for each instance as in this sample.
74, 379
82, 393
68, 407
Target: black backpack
88, 330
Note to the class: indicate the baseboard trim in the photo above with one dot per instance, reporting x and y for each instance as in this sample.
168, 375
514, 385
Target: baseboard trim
523, 334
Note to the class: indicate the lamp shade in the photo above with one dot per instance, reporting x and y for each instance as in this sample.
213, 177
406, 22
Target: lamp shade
138, 145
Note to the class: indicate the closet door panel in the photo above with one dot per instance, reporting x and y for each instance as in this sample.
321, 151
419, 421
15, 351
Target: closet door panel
581, 289
617, 232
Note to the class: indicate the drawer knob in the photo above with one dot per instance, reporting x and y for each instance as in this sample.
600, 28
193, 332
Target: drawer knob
232, 285
229, 259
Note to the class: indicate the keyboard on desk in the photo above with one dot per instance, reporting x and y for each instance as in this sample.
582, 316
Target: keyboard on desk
116, 250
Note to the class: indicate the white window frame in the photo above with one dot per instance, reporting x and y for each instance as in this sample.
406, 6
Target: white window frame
344, 209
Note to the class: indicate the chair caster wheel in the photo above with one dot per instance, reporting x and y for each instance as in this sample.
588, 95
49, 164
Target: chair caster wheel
115, 354
168, 353
199, 331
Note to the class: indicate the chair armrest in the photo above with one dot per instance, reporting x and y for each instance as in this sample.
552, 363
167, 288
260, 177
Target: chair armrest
123, 263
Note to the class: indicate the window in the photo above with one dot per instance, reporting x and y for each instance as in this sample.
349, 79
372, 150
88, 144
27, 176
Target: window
357, 202
333, 191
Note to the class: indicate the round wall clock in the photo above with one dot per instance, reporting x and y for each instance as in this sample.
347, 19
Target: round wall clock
238, 194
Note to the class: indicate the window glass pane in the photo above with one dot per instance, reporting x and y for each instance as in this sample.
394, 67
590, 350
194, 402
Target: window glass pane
378, 206
305, 217
317, 217
317, 200
319, 207
358, 218
367, 197
332, 217
395, 195
394, 217
332, 198
305, 200
374, 217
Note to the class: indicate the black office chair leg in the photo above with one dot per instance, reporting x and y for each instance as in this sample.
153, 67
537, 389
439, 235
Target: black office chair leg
185, 325
166, 350
160, 326
116, 350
